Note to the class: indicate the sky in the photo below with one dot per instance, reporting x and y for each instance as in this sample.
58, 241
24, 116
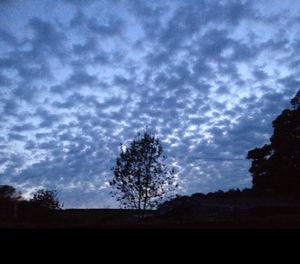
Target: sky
77, 78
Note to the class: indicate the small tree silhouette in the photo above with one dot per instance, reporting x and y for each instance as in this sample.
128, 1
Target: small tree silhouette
141, 178
47, 199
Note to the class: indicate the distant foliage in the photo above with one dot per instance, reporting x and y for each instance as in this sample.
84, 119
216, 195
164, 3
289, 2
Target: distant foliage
141, 177
276, 166
181, 204
47, 199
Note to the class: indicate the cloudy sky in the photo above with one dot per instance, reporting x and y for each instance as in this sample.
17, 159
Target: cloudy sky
78, 77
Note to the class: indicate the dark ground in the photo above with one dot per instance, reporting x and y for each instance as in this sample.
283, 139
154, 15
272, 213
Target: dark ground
267, 218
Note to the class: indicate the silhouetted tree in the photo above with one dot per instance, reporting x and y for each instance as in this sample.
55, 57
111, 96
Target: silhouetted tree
141, 177
276, 166
10, 193
47, 199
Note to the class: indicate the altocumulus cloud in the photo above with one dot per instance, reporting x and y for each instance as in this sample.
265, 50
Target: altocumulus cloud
79, 77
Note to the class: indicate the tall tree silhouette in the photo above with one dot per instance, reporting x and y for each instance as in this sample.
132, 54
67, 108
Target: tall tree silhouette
276, 166
141, 177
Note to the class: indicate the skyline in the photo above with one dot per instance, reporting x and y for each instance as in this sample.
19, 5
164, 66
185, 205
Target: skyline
77, 78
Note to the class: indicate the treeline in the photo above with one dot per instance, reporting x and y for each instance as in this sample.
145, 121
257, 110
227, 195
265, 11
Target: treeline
197, 198
14, 207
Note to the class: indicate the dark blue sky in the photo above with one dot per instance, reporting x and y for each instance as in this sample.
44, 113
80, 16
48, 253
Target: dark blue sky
79, 77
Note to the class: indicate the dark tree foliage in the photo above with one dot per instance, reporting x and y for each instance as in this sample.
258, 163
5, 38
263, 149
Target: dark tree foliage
276, 166
9, 193
141, 178
47, 199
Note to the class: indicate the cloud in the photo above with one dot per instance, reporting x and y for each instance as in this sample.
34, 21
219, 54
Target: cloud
81, 78
48, 119
90, 45
8, 38
10, 107
113, 27
46, 39
16, 136
23, 127
108, 26
26, 91
5, 81
79, 2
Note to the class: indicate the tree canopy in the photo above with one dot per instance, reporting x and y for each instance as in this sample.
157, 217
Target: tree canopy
141, 177
276, 166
